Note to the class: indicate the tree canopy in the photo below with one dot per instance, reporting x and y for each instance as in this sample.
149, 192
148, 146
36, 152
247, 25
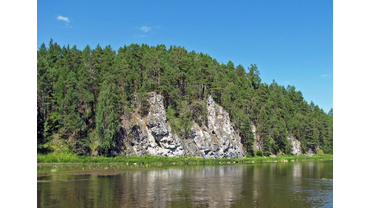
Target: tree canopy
82, 94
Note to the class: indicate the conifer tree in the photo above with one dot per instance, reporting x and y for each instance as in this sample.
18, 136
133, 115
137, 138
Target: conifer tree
107, 116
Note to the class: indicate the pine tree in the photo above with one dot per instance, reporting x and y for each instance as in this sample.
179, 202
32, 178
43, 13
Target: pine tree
253, 76
71, 117
107, 116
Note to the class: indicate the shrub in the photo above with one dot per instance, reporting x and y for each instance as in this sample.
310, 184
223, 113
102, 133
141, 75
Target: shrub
258, 153
267, 153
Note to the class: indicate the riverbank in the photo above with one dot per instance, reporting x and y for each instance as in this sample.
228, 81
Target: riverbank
71, 158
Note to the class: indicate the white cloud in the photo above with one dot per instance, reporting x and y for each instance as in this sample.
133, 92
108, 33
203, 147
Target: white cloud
63, 18
324, 75
66, 20
145, 28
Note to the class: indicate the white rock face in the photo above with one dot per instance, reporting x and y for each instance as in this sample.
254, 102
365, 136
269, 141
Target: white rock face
153, 135
219, 139
257, 144
215, 138
296, 145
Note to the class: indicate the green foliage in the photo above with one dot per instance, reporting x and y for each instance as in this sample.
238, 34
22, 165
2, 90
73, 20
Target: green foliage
198, 113
258, 153
82, 94
267, 153
155, 160
107, 116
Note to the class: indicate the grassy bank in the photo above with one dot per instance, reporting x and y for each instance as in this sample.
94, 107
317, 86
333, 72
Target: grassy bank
71, 158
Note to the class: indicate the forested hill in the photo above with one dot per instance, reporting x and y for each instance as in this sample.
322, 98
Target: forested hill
83, 95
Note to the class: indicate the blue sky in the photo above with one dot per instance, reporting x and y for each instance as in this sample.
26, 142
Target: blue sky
290, 41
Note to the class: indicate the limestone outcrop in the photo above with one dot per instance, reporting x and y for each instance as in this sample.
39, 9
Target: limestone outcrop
296, 145
213, 137
152, 134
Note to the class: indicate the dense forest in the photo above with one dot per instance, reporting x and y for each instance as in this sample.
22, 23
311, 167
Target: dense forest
82, 95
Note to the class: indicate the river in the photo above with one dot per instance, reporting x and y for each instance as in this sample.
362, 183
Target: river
289, 184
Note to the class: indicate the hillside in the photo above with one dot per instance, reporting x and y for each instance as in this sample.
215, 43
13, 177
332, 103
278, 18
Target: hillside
168, 102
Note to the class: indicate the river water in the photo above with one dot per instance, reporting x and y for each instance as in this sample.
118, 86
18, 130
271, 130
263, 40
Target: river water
290, 184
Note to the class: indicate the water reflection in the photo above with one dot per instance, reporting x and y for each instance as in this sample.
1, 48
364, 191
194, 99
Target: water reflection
297, 176
208, 186
253, 185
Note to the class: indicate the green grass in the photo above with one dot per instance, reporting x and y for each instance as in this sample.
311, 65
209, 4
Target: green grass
71, 158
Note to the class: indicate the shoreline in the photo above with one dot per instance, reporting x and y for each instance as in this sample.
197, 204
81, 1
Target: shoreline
59, 158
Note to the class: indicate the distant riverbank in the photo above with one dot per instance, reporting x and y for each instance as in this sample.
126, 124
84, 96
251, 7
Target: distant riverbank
71, 158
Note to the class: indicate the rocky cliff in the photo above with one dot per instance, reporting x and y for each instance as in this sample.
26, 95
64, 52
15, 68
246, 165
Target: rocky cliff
214, 138
294, 143
152, 134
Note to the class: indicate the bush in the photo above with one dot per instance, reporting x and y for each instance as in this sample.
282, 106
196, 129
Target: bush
258, 153
267, 153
